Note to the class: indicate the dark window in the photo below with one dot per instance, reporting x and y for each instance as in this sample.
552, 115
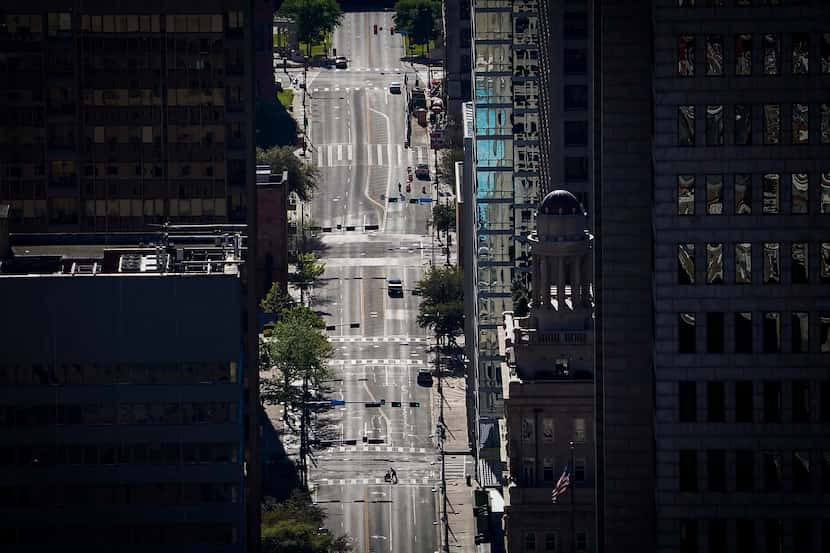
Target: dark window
686, 55
772, 53
744, 470
743, 55
714, 194
771, 268
714, 125
743, 401
772, 123
743, 194
801, 471
716, 470
825, 471
745, 530
576, 133
772, 402
824, 331
825, 401
685, 194
801, 400
743, 332
714, 332
714, 263
576, 61
714, 55
774, 536
685, 263
715, 402
686, 125
772, 471
686, 332
717, 536
576, 169
687, 393
801, 53
575, 25
771, 192
824, 265
825, 53
799, 193
799, 253
803, 536
688, 536
772, 332
800, 123
688, 470
743, 124
576, 97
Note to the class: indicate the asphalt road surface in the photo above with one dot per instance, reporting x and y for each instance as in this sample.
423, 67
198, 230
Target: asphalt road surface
357, 136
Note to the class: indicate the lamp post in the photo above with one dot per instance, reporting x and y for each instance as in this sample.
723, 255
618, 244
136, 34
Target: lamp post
573, 512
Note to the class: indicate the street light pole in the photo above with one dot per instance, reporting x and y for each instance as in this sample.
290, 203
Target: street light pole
573, 512
441, 437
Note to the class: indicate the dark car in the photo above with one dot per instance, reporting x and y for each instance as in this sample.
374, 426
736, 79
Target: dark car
424, 377
395, 287
341, 62
422, 171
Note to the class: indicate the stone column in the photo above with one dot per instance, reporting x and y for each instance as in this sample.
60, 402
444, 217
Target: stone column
578, 288
545, 281
560, 282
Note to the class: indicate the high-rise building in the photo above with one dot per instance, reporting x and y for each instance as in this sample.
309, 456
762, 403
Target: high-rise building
548, 382
122, 412
505, 186
119, 115
457, 58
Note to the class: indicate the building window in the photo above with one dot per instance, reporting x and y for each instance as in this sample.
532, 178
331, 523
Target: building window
799, 254
576, 97
825, 124
581, 540
801, 123
772, 471
824, 263
528, 429
686, 332
743, 124
774, 536
716, 470
575, 25
686, 125
686, 194
714, 263
799, 192
801, 53
803, 536
717, 536
688, 536
576, 169
745, 538
688, 470
529, 471
743, 54
714, 194
825, 53
800, 326
825, 471
772, 123
744, 404
772, 332
530, 541
579, 469
551, 542
714, 55
801, 401
824, 193
547, 469
743, 193
744, 470
771, 273
714, 125
772, 53
579, 430
576, 133
687, 394
770, 192
686, 55
715, 402
685, 263
576, 61
714, 332
824, 407
772, 402
548, 429
824, 331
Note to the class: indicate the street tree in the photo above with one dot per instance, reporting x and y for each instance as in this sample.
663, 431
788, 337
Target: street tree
294, 525
275, 300
297, 349
446, 164
443, 217
302, 176
418, 19
520, 294
314, 18
308, 272
442, 303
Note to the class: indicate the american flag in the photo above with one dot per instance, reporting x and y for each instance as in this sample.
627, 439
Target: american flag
562, 485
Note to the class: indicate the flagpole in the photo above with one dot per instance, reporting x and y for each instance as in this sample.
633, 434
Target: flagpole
573, 512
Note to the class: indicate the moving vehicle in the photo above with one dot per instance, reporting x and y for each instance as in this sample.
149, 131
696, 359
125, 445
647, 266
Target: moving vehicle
424, 377
340, 62
422, 171
395, 287
395, 88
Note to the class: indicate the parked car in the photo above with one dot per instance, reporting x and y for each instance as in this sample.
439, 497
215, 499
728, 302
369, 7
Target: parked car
395, 287
424, 377
395, 88
340, 62
422, 171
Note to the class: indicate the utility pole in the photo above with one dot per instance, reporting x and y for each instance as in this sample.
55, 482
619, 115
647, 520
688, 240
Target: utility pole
442, 436
304, 434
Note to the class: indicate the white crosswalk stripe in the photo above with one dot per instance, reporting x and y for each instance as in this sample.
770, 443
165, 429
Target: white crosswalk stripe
349, 151
369, 155
339, 152
380, 154
329, 150
319, 156
370, 339
410, 362
400, 154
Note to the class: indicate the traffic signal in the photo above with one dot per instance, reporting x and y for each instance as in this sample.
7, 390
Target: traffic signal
376, 29
391, 30
414, 404
396, 404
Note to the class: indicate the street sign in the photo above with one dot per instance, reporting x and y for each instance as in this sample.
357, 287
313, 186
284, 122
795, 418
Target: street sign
396, 404
414, 404
426, 200
336, 402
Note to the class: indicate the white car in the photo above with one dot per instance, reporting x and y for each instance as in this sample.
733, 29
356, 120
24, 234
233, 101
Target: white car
395, 88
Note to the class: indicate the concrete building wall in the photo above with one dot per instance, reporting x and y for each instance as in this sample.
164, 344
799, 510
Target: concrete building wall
272, 214
457, 60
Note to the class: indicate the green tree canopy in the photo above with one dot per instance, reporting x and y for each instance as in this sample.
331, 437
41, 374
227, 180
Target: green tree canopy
275, 300
309, 270
293, 526
314, 18
418, 19
442, 303
443, 217
302, 176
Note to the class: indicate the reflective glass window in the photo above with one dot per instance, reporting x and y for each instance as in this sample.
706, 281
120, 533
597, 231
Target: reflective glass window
770, 192
686, 55
771, 269
824, 134
800, 332
772, 123
714, 55
824, 262
743, 337
824, 331
772, 53
686, 125
801, 53
799, 254
743, 124
686, 195
801, 123
743, 263
714, 194
714, 263
772, 332
686, 335
686, 263
743, 193
799, 192
743, 54
714, 125
825, 53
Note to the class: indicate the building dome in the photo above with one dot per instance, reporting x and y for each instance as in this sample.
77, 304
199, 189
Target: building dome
560, 202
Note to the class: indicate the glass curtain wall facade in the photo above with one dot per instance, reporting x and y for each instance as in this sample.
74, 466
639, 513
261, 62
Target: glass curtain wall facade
505, 87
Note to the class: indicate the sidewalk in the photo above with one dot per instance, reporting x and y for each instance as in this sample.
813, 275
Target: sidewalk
459, 464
